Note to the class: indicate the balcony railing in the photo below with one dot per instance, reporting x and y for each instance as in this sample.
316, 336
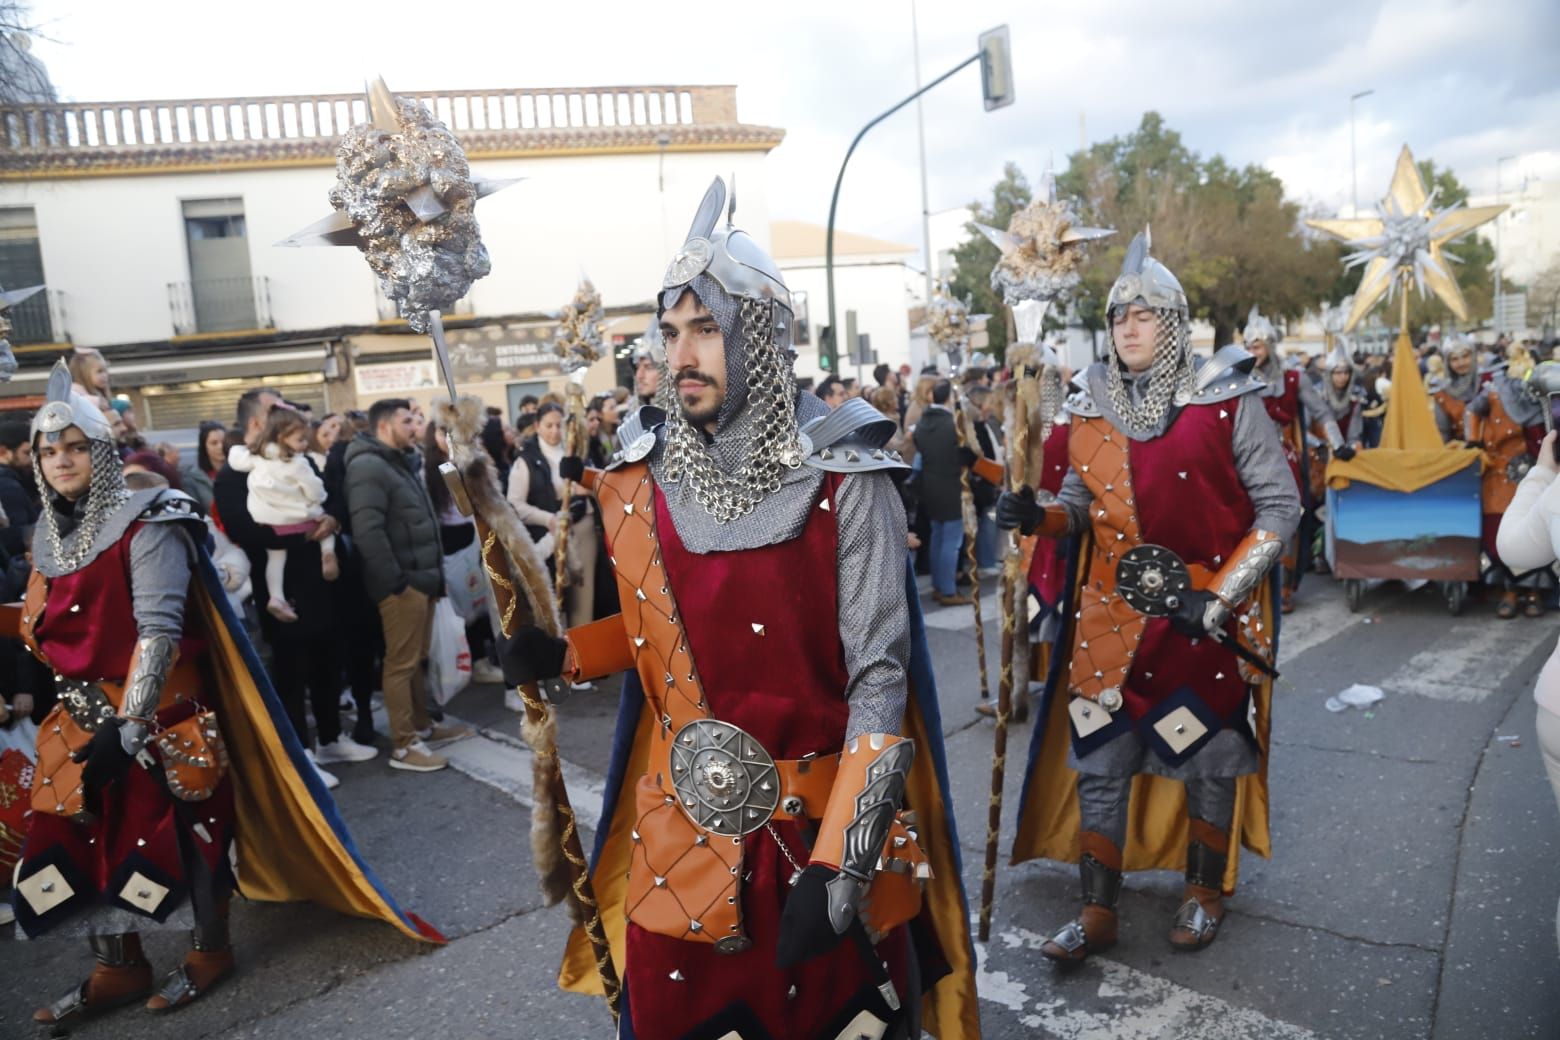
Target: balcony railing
39, 319
86, 134
220, 305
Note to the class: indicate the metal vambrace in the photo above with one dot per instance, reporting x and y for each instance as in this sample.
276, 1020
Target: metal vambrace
867, 793
150, 666
1241, 574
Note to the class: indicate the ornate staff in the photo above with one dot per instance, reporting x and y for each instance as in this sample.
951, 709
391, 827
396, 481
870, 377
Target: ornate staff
1042, 256
948, 325
578, 344
404, 195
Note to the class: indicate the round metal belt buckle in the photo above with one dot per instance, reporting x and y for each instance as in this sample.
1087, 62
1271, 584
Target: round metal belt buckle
724, 779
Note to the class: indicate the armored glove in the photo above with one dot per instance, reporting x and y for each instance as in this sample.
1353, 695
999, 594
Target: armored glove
571, 467
577, 509
806, 929
1019, 509
107, 760
1198, 614
1344, 452
531, 654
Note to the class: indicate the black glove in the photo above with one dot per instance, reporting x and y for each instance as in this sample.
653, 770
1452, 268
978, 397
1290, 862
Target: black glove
1187, 617
967, 457
1019, 509
805, 929
1344, 452
531, 654
106, 761
577, 508
571, 467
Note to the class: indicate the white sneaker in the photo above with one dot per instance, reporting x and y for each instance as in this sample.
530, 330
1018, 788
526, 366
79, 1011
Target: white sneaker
7, 915
416, 758
579, 687
513, 702
485, 671
344, 749
331, 780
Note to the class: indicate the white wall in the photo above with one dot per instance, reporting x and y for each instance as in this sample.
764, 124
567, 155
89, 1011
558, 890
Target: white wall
877, 292
113, 244
1529, 230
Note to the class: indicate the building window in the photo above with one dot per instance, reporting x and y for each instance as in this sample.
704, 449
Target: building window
221, 294
21, 265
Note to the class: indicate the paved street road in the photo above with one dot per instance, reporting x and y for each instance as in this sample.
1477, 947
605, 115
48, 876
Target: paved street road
1412, 891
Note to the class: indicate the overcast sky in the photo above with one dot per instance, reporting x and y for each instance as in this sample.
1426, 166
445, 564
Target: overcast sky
1461, 82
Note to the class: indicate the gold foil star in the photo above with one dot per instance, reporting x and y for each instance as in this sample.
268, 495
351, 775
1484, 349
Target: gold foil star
1406, 240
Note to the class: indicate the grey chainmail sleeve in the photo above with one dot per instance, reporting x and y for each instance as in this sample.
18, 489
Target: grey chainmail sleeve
1318, 411
1075, 497
1480, 406
1263, 469
161, 564
874, 618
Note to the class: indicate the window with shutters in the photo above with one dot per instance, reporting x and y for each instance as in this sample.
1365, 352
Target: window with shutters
21, 265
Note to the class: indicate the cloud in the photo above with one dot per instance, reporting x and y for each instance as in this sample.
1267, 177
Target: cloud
1462, 82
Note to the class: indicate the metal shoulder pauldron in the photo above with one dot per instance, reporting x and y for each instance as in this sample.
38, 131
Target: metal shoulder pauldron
637, 436
1225, 376
850, 439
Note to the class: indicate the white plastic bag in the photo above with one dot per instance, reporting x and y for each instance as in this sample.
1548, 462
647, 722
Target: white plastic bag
465, 584
449, 655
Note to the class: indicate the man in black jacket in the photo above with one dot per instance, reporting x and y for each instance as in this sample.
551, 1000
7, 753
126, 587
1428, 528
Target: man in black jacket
18, 489
397, 536
941, 462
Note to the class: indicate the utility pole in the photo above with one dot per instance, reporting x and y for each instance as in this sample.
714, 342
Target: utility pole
1353, 168
920, 135
1499, 321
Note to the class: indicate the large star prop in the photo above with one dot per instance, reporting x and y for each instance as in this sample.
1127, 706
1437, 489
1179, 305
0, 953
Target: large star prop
1042, 248
1405, 240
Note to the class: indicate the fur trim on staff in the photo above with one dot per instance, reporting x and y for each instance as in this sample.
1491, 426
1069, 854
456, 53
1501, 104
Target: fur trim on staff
552, 869
464, 421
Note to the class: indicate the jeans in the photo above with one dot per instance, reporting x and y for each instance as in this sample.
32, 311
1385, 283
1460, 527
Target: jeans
986, 541
947, 539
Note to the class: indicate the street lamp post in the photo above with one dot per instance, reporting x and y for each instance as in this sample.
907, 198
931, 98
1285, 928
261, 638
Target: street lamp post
1498, 322
995, 59
1353, 172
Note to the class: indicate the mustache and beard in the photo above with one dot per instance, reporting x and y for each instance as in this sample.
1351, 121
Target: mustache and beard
696, 413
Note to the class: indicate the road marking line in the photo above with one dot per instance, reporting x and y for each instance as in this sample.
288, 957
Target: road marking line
1469, 668
1140, 1006
1314, 623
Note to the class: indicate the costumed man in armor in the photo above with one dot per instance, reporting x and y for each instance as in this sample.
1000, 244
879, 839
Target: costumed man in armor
136, 800
1506, 419
780, 713
1150, 687
1296, 408
1452, 391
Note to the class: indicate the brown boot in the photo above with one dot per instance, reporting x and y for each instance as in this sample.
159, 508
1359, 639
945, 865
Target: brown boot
1286, 600
1197, 921
951, 601
202, 970
1507, 608
1099, 872
122, 976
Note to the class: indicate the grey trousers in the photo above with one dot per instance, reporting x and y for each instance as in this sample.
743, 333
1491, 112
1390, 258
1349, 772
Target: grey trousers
1102, 803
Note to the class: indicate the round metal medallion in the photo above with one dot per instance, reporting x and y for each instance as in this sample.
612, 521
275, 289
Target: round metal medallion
1518, 467
1151, 578
639, 447
688, 264
733, 944
725, 780
1110, 699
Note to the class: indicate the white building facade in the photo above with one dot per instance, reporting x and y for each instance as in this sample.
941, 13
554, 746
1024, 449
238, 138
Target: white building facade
154, 225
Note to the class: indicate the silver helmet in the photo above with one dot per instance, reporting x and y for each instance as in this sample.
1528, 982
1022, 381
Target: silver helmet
1146, 282
1454, 343
64, 408
1338, 358
728, 255
1258, 328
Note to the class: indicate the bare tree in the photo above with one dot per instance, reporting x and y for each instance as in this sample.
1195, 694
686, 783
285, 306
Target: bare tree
23, 78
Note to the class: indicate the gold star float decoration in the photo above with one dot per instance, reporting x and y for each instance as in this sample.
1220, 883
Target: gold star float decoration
1405, 240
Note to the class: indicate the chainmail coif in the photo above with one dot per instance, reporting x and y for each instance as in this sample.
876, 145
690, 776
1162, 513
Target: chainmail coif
106, 494
1170, 377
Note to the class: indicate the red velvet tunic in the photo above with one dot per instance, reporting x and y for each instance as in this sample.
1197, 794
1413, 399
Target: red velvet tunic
785, 686
1048, 566
1190, 500
1284, 410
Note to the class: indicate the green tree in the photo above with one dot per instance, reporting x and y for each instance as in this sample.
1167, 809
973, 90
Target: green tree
974, 259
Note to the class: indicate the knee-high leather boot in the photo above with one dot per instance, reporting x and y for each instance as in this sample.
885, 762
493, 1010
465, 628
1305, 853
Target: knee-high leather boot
1197, 921
1099, 875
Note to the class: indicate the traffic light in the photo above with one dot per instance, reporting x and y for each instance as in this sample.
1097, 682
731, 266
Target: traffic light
996, 67
826, 355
